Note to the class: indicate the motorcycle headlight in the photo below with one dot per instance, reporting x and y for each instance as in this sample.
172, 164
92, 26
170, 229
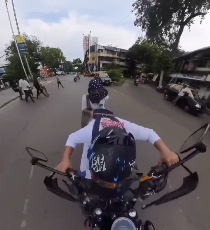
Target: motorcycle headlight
197, 106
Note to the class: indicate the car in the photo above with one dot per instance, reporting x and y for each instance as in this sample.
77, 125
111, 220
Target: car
106, 80
189, 104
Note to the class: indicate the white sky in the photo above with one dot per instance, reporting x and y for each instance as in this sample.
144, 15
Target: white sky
61, 23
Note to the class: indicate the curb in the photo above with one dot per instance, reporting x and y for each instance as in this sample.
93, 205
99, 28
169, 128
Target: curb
6, 103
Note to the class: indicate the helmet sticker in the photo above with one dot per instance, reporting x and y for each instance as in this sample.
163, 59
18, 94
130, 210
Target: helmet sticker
98, 164
132, 164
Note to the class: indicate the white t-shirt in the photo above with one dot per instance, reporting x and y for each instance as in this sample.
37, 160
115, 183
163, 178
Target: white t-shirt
186, 90
84, 136
101, 105
24, 84
20, 83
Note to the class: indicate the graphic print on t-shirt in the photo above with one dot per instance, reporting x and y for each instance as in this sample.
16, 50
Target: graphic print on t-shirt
109, 123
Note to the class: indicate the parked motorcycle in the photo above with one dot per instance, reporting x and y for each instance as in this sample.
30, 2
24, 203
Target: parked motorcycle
110, 205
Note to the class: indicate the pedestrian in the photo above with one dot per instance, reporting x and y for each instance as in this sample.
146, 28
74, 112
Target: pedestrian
42, 86
37, 86
20, 90
95, 99
59, 82
185, 90
27, 90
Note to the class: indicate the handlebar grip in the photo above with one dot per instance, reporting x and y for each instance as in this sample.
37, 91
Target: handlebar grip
69, 171
158, 170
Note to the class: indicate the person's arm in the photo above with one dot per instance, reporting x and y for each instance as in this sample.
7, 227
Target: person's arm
84, 102
79, 137
190, 93
146, 134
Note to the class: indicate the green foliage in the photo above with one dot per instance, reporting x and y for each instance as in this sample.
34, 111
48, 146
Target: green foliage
164, 21
78, 65
163, 61
115, 75
69, 66
48, 56
14, 68
153, 58
52, 57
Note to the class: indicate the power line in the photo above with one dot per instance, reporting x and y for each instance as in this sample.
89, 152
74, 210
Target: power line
2, 55
123, 18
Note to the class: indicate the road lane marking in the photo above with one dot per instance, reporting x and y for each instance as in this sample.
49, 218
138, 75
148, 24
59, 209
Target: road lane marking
25, 207
23, 224
31, 173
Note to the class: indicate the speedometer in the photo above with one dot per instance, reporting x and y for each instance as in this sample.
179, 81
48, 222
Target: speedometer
123, 223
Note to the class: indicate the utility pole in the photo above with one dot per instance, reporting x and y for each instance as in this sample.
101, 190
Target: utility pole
19, 34
16, 41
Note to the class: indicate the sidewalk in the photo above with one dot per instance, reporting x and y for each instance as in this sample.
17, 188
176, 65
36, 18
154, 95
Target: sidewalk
8, 95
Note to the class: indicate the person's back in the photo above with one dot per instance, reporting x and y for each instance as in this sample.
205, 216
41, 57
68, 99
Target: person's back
100, 105
25, 85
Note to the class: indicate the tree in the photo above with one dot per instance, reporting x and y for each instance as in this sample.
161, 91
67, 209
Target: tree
52, 57
142, 52
78, 65
14, 68
69, 66
164, 21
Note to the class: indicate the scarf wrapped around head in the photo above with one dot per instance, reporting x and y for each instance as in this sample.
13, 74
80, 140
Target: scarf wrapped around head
96, 91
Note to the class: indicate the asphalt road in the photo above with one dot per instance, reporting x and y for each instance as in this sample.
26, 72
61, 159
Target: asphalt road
46, 124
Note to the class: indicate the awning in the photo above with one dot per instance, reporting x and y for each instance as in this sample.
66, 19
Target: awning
187, 76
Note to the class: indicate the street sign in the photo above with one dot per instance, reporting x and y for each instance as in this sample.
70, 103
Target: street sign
20, 39
22, 48
21, 44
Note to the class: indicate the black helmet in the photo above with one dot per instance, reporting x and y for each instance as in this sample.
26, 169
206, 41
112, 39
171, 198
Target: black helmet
112, 156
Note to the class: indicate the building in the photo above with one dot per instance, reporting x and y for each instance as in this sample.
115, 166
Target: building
101, 57
193, 68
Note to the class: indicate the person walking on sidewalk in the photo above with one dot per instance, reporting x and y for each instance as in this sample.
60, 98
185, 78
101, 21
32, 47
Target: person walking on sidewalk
59, 82
27, 90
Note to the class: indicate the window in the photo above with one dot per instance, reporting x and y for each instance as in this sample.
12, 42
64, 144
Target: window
203, 63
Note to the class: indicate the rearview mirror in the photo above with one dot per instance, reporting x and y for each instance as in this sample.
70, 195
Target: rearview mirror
36, 155
194, 139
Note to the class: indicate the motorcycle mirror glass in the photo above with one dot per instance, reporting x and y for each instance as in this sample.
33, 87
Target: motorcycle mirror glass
123, 223
148, 225
36, 154
195, 138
